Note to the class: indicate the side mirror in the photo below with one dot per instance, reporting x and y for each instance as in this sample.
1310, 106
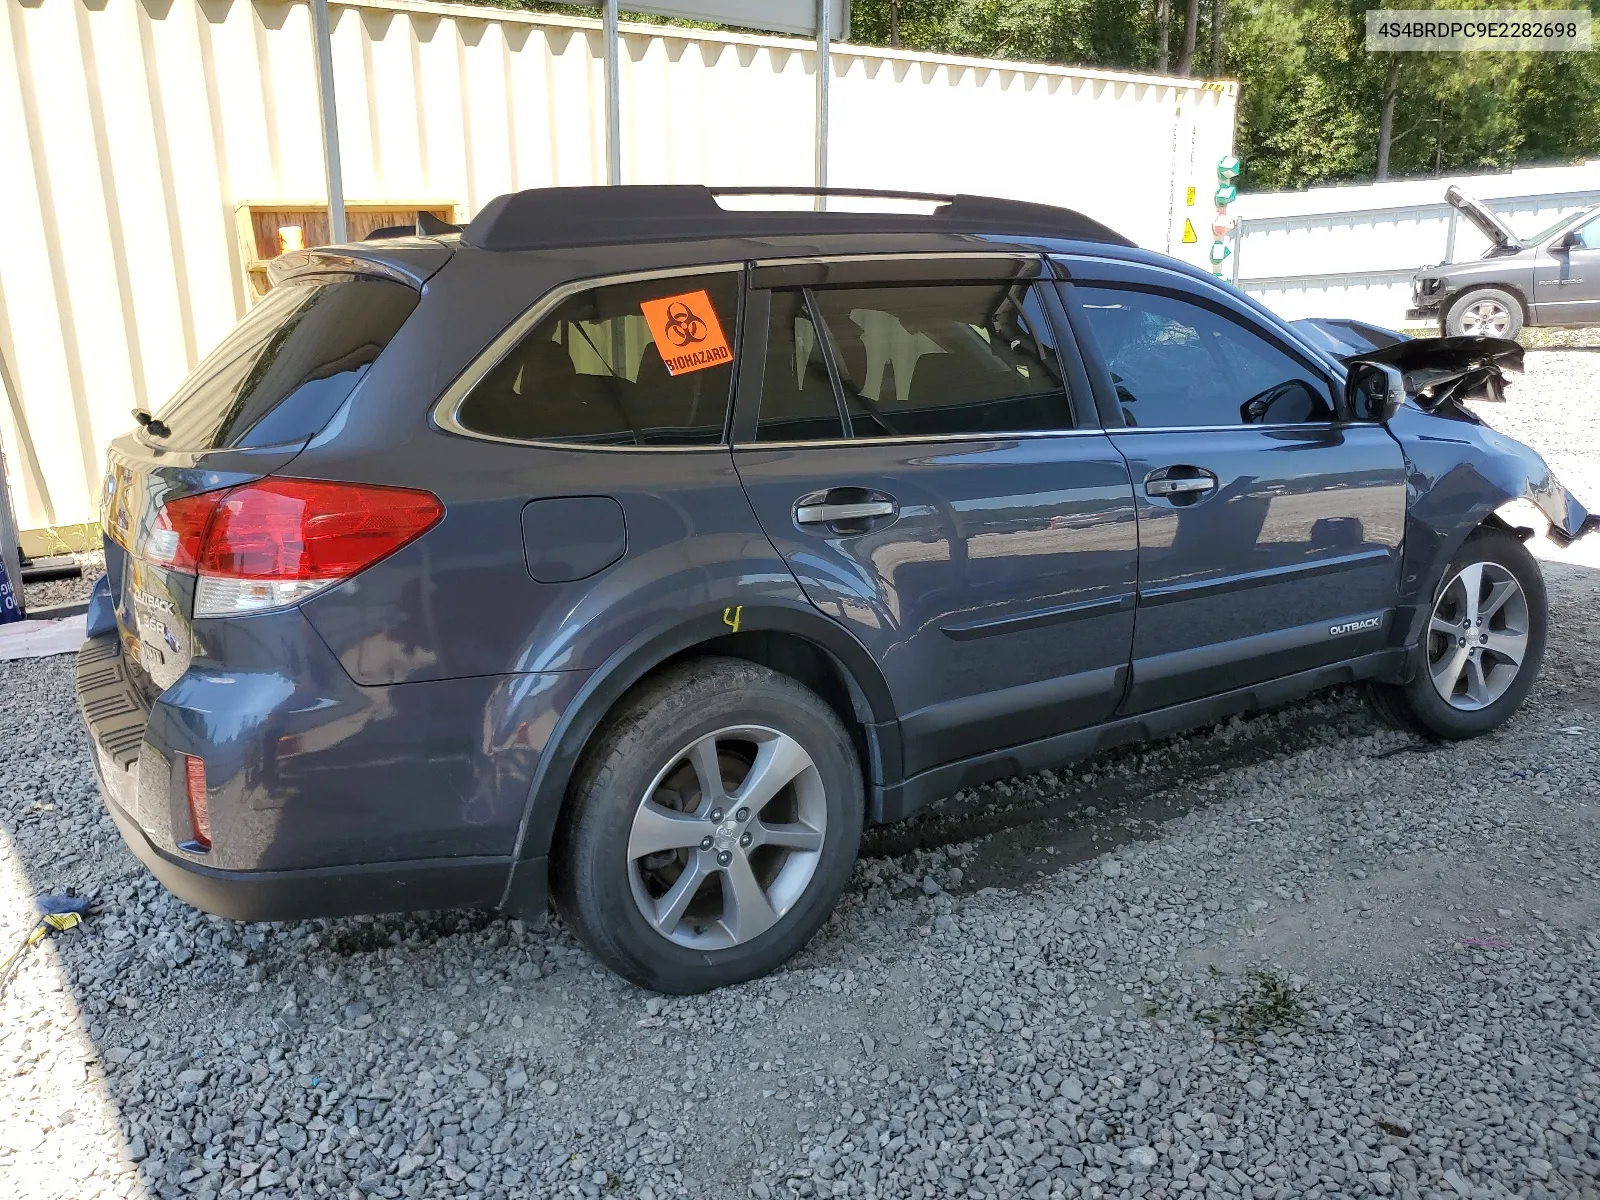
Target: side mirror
1374, 391
1568, 240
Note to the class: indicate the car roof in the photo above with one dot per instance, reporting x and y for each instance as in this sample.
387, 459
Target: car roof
556, 218
574, 233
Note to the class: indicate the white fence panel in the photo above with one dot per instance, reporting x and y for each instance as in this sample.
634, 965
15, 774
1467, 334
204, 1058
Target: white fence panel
1351, 251
130, 130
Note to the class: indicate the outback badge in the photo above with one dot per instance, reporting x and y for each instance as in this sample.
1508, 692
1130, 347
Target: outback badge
1354, 626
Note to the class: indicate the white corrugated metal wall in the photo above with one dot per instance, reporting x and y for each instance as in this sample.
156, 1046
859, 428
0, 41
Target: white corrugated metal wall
130, 129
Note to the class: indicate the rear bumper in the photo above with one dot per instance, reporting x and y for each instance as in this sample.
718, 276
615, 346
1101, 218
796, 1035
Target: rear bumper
262, 867
319, 891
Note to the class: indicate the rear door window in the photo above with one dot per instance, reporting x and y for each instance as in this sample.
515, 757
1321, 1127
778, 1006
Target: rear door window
797, 400
646, 363
282, 372
914, 360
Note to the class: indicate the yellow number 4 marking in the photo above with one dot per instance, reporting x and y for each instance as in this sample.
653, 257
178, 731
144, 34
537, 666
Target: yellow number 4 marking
732, 616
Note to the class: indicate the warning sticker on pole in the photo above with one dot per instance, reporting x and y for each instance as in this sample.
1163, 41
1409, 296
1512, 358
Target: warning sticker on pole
687, 332
1188, 232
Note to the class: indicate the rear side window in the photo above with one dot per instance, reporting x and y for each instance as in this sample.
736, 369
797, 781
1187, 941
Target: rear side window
912, 361
797, 400
283, 371
630, 364
1177, 365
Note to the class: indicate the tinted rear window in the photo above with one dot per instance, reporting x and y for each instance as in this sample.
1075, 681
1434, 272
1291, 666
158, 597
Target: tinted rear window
287, 366
648, 363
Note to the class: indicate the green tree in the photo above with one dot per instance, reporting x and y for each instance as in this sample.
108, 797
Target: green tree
1101, 32
1312, 98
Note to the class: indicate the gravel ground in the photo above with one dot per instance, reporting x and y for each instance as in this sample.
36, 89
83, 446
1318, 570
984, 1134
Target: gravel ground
1291, 955
65, 591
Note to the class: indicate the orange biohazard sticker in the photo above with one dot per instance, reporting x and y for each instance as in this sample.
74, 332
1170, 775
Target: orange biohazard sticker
687, 332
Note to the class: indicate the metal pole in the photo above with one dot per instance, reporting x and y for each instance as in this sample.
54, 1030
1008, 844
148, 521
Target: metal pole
10, 552
613, 98
823, 67
322, 30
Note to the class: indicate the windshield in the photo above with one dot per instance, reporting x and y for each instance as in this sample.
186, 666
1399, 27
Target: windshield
1561, 223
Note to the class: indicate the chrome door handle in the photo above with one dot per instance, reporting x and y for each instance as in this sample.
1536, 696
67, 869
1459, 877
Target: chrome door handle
1183, 486
827, 514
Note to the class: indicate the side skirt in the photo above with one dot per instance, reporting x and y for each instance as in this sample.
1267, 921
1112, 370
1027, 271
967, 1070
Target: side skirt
898, 801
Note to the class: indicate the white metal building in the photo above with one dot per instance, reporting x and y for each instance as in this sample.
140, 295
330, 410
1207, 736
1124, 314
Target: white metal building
131, 132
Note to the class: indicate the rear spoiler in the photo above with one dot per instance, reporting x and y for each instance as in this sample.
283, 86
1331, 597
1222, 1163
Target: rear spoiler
412, 263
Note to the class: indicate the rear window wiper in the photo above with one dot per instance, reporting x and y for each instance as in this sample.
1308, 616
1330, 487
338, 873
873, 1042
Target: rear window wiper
152, 425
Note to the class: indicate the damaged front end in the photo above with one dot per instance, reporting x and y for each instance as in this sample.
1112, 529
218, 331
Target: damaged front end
1454, 488
1443, 373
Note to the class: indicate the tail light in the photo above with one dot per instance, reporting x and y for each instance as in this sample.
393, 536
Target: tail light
180, 528
194, 778
277, 542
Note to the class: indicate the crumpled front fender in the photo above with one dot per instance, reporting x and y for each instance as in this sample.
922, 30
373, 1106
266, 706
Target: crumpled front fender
1458, 472
1456, 466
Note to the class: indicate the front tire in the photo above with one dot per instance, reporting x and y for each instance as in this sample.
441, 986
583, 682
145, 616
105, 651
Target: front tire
1480, 651
1485, 312
711, 827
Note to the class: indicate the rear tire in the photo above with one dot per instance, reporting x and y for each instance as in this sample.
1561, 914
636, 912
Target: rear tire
711, 826
1480, 651
1486, 312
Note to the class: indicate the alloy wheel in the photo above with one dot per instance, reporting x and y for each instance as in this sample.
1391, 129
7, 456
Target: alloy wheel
1485, 318
727, 837
1478, 636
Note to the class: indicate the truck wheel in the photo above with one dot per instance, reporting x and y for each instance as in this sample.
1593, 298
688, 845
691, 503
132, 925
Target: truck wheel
1480, 652
711, 827
1485, 312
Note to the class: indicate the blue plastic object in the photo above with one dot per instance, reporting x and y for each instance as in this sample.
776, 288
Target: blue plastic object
10, 607
57, 905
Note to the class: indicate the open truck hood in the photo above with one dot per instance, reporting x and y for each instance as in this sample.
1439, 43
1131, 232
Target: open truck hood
1476, 211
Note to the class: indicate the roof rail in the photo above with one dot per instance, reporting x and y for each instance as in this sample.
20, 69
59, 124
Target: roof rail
870, 193
548, 218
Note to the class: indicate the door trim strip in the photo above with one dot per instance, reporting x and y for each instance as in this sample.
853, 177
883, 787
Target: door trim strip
1081, 610
1174, 592
1176, 664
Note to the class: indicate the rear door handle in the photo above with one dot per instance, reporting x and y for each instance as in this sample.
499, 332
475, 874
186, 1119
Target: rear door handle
827, 514
1179, 487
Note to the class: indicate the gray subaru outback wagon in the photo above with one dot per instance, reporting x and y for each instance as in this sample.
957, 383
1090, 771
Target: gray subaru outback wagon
635, 551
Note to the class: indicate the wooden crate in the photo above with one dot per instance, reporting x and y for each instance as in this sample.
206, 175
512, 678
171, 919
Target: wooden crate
258, 223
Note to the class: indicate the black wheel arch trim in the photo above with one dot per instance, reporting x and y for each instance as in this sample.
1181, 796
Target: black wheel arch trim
1411, 615
1420, 585
647, 651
